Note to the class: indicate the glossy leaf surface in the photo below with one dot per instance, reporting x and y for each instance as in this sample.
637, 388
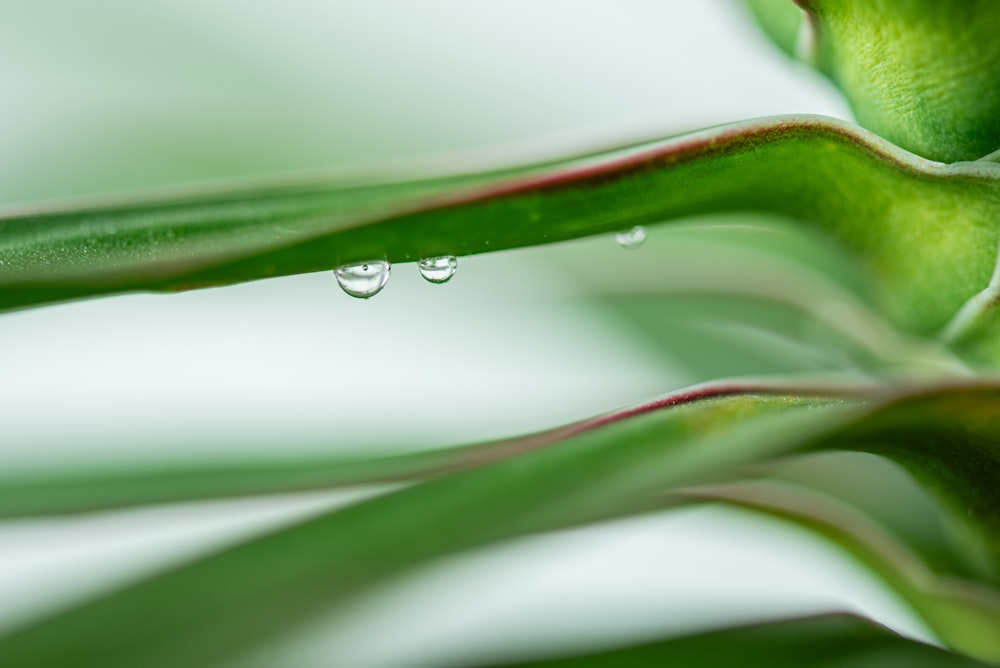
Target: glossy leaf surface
926, 233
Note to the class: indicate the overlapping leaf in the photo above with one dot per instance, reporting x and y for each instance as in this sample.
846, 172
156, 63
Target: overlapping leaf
921, 73
963, 613
223, 605
219, 606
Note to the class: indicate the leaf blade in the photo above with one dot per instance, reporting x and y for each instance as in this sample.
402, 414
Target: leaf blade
804, 167
209, 610
918, 72
964, 614
215, 608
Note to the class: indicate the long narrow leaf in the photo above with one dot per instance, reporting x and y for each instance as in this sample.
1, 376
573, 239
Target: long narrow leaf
964, 614
225, 604
809, 168
55, 491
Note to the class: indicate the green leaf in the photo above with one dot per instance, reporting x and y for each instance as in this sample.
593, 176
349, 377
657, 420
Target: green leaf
835, 641
781, 20
224, 605
810, 169
55, 491
949, 438
887, 494
921, 73
700, 292
965, 615
221, 606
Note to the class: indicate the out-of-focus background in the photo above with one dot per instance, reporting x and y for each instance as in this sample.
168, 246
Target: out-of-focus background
116, 97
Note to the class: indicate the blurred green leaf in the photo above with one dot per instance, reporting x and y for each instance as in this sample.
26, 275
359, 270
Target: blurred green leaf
810, 169
55, 490
745, 294
949, 439
836, 641
964, 614
781, 20
610, 466
226, 604
889, 495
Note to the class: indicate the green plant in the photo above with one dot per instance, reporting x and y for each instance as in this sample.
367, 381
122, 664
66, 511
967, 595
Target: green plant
921, 331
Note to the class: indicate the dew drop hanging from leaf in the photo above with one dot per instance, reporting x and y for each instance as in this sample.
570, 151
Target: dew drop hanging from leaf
633, 238
363, 280
438, 269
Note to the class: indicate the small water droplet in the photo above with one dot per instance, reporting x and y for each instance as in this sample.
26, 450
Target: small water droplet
365, 279
438, 269
631, 238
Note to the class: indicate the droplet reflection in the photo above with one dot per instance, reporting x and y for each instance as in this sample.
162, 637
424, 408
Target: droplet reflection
438, 269
365, 279
631, 238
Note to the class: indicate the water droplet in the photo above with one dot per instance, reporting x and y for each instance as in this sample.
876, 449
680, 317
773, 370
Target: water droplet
365, 279
438, 269
631, 238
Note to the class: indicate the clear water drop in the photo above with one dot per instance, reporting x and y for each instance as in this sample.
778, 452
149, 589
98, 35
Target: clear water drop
631, 238
365, 279
438, 269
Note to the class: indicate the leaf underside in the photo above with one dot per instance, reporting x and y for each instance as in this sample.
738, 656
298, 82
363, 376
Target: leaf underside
835, 641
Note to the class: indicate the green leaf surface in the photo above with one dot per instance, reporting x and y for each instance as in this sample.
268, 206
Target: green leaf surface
836, 641
670, 293
886, 493
715, 296
220, 606
56, 491
224, 605
927, 233
781, 20
964, 614
949, 439
921, 73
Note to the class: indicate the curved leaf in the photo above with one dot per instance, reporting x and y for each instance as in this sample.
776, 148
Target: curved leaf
928, 233
963, 614
219, 606
224, 605
759, 273
53, 491
923, 74
57, 492
949, 438
782, 21
835, 641
892, 498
